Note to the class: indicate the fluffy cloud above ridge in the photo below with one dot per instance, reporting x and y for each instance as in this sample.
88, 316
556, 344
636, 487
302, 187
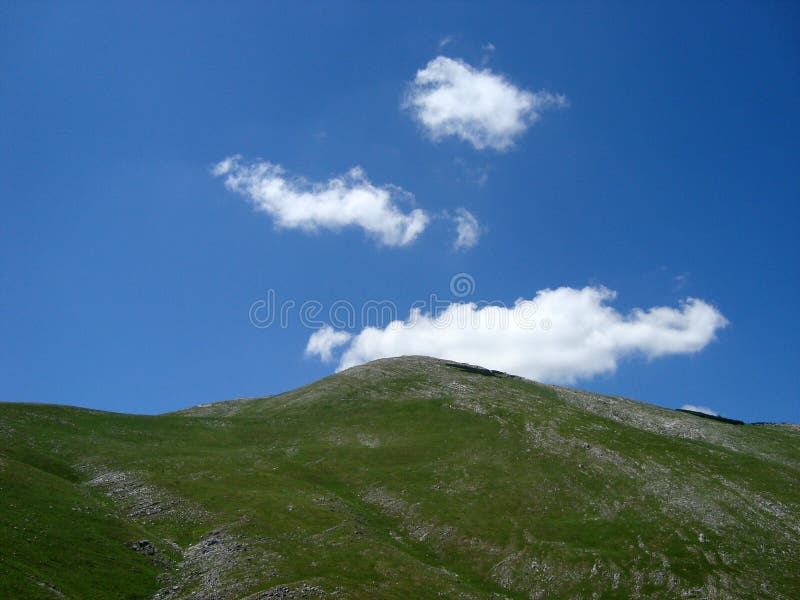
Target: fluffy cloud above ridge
451, 98
323, 342
349, 200
558, 336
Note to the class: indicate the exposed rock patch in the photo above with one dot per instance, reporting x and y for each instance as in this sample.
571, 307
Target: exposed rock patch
143, 501
144, 547
207, 567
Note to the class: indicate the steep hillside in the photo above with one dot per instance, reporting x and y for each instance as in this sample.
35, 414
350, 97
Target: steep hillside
409, 477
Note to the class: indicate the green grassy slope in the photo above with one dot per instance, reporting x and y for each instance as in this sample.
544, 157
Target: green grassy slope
403, 478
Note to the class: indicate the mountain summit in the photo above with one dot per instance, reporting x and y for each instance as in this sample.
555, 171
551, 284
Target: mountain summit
403, 478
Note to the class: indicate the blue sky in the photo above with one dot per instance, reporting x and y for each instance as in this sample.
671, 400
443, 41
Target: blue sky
652, 151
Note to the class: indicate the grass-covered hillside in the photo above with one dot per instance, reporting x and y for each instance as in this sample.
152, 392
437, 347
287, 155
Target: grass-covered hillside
403, 478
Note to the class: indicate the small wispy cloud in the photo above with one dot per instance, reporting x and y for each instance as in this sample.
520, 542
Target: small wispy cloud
468, 230
700, 409
477, 174
349, 200
488, 50
448, 39
451, 98
679, 281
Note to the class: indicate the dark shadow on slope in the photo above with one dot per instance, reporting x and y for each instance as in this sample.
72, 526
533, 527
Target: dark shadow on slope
713, 417
477, 370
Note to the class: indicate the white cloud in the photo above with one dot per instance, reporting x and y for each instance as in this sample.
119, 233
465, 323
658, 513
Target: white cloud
701, 409
448, 39
488, 51
560, 335
451, 98
349, 200
467, 229
323, 342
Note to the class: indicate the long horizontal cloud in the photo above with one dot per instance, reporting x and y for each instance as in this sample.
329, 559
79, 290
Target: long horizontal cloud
451, 98
349, 200
560, 335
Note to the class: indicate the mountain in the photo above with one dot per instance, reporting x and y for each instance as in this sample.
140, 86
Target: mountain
402, 478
